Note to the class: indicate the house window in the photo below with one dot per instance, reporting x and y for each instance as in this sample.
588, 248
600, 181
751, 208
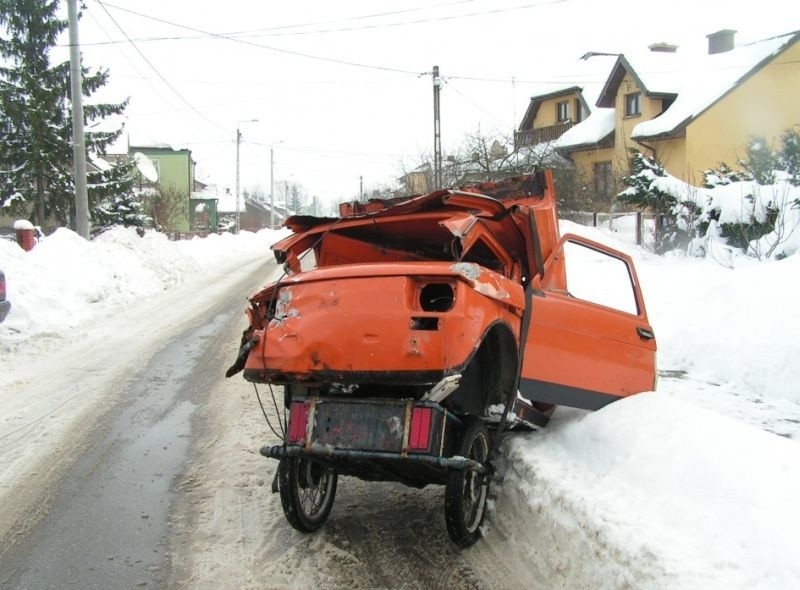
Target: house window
562, 111
633, 104
602, 179
580, 111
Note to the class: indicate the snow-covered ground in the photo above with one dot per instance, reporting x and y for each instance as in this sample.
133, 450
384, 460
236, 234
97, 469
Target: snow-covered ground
694, 485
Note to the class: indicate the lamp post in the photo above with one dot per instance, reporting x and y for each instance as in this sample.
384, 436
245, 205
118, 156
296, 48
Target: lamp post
238, 143
272, 184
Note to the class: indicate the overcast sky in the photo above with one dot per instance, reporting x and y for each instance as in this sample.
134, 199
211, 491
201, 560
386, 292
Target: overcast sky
346, 86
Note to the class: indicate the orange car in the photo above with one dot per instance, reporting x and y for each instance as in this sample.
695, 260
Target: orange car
409, 334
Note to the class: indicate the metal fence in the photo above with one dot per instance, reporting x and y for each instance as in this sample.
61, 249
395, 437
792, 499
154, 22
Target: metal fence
633, 227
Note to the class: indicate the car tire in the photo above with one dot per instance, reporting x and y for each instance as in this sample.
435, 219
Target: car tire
466, 490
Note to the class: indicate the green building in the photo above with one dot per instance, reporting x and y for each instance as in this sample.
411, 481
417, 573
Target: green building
174, 179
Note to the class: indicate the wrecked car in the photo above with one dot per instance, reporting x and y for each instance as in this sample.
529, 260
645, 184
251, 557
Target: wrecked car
407, 335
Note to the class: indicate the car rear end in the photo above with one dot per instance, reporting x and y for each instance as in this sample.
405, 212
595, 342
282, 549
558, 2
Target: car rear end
409, 441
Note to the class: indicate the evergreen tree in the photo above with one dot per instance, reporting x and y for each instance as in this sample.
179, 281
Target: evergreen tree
724, 175
676, 217
118, 205
641, 192
295, 200
789, 157
36, 147
760, 162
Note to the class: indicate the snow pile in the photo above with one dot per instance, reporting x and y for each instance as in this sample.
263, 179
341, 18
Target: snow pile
66, 281
675, 497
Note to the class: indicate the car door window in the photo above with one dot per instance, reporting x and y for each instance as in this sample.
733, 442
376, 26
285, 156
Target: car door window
599, 277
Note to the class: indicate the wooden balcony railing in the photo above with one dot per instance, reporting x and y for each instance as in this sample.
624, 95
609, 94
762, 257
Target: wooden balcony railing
531, 137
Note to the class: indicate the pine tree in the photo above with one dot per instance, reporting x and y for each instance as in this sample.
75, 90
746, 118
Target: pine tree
117, 203
296, 200
761, 162
675, 217
36, 147
790, 155
641, 193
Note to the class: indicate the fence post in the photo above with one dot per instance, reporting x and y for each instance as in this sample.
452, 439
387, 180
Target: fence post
594, 219
638, 228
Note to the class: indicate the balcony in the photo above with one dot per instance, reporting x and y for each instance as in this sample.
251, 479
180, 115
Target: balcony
531, 137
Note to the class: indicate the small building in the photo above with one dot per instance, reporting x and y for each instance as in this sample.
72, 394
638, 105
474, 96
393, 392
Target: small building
175, 170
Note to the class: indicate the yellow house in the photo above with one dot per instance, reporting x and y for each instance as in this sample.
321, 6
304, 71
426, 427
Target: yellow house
690, 112
552, 114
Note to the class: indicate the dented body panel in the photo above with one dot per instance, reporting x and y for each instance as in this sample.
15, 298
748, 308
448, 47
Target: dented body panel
443, 306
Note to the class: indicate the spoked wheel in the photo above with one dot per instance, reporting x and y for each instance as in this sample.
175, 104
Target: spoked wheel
466, 491
307, 491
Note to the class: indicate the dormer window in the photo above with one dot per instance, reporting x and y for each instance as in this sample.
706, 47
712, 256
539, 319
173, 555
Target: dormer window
562, 111
633, 104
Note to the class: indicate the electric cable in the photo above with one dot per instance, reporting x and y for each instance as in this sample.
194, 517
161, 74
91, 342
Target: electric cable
258, 45
158, 73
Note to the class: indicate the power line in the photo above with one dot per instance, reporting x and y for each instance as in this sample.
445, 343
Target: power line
129, 60
305, 148
281, 33
158, 73
464, 97
248, 32
259, 45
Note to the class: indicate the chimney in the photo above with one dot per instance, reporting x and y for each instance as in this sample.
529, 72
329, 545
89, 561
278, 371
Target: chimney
721, 41
663, 48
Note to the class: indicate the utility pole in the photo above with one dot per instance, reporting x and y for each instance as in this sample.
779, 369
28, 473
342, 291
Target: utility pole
78, 141
271, 188
238, 143
437, 134
360, 189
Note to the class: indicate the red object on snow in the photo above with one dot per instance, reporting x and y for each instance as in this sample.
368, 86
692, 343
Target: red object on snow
26, 239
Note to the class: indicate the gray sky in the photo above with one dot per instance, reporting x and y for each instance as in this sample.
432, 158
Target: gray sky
339, 121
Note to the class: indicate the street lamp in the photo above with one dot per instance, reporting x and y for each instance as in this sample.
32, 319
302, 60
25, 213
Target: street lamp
272, 183
238, 143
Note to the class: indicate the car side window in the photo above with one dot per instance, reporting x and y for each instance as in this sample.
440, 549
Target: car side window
599, 277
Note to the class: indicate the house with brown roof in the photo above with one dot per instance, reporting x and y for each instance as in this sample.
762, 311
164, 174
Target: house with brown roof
689, 111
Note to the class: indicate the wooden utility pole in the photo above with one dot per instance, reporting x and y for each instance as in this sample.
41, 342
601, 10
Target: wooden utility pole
78, 141
437, 134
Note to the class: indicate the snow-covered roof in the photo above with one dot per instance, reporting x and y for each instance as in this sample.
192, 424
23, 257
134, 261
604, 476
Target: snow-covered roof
698, 81
594, 129
227, 203
585, 76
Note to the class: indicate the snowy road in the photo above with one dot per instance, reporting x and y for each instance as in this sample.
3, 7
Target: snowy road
127, 459
91, 510
157, 481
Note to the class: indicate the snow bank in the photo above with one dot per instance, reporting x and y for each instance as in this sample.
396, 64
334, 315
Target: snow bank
683, 498
66, 281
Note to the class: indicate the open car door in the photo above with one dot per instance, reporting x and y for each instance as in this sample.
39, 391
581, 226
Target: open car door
589, 342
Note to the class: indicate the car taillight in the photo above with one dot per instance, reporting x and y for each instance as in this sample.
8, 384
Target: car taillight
298, 422
2, 289
419, 434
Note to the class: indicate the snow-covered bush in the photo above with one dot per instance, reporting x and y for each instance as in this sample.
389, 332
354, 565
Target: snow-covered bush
754, 209
672, 201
